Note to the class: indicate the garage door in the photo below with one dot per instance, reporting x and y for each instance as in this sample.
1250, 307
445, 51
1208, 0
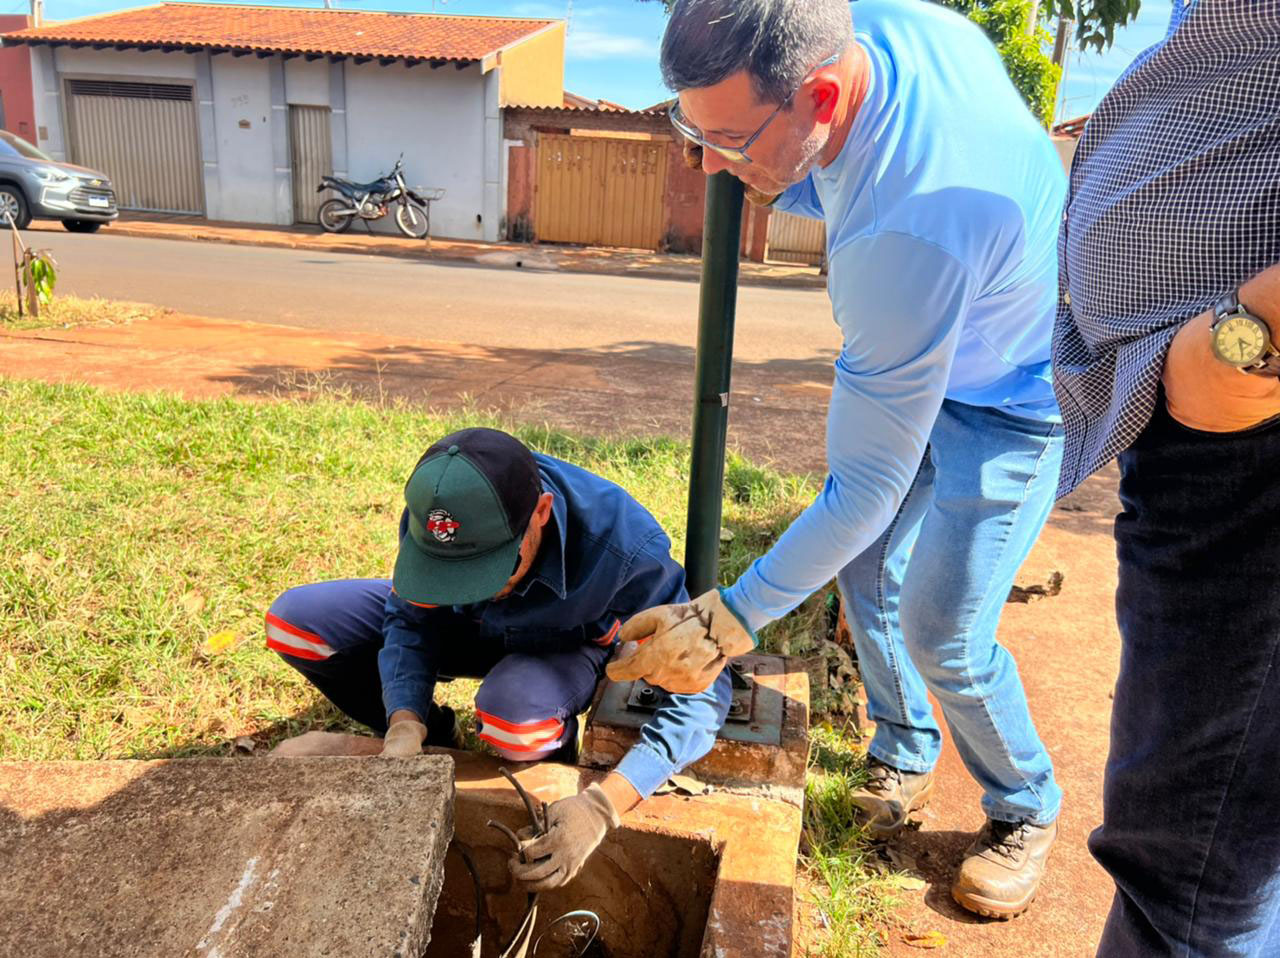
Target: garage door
600, 191
142, 135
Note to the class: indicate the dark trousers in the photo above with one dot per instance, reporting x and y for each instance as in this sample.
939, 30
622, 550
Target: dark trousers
1191, 805
331, 632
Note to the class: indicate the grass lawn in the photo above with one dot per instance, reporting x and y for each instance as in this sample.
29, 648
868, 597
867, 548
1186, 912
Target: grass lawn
145, 536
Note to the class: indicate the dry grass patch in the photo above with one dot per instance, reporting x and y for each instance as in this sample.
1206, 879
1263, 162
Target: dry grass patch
66, 311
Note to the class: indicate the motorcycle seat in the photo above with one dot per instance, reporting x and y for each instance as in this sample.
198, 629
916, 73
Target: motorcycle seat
377, 186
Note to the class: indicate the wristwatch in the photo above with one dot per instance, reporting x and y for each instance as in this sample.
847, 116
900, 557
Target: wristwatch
1241, 339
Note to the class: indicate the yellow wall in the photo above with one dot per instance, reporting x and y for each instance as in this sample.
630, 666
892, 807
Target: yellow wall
533, 70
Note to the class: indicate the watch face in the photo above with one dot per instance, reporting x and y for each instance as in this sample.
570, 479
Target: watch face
1240, 341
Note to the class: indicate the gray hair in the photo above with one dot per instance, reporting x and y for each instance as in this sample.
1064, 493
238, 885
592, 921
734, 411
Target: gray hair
778, 42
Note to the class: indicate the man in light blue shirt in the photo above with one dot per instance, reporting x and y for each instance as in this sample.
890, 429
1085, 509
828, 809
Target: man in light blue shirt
942, 198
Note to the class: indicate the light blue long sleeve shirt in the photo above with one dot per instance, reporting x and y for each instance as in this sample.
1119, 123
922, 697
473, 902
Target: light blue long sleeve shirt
942, 212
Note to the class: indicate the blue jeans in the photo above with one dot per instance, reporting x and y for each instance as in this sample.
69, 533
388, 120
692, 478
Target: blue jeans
1191, 802
924, 602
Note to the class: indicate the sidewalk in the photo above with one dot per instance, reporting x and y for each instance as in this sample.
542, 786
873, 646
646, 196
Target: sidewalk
575, 259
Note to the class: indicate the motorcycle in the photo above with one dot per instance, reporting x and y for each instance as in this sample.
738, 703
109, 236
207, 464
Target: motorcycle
371, 201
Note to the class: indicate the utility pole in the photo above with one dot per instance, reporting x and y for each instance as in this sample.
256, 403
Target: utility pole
1062, 41
37, 13
713, 363
1033, 20
1061, 45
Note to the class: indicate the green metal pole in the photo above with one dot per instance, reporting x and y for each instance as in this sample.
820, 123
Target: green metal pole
717, 304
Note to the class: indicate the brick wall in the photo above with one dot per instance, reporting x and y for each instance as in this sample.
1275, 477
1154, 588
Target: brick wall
15, 83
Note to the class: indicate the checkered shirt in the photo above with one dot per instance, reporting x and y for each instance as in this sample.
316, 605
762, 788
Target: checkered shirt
1174, 200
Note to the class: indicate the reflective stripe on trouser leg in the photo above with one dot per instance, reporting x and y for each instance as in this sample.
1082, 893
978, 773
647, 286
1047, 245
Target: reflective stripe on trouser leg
520, 741
526, 702
331, 633
290, 640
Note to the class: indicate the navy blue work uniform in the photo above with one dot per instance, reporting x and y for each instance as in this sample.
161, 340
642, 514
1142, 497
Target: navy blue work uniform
540, 652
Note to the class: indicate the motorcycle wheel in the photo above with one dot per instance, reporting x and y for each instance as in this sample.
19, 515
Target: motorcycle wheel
411, 220
335, 216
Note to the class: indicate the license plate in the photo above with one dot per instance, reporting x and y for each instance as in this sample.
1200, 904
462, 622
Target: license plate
99, 201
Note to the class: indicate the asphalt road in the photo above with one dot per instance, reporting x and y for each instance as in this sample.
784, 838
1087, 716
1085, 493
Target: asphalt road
483, 306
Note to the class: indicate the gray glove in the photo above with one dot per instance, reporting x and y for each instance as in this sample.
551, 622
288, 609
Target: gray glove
575, 828
683, 647
403, 740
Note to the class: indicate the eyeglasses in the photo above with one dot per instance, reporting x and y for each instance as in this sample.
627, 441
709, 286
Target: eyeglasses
737, 154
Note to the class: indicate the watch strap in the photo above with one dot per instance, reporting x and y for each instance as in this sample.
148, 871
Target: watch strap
1229, 305
1268, 365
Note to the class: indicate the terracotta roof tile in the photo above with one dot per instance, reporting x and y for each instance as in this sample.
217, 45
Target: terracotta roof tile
292, 30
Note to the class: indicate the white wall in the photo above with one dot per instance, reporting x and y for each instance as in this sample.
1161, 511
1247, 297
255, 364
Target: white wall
242, 118
47, 102
495, 189
306, 83
1066, 147
126, 65
437, 117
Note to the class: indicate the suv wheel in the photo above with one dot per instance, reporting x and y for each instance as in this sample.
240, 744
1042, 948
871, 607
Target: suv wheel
13, 205
81, 226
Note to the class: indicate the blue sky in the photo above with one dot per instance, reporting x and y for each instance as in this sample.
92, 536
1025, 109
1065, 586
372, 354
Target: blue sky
612, 49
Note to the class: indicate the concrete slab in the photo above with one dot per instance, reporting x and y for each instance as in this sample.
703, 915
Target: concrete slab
217, 858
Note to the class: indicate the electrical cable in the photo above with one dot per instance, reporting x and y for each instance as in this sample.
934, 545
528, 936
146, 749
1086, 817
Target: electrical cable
577, 932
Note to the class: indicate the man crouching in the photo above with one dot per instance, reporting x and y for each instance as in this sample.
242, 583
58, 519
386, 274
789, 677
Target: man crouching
514, 568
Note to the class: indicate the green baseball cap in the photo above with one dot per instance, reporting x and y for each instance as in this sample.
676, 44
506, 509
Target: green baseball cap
469, 500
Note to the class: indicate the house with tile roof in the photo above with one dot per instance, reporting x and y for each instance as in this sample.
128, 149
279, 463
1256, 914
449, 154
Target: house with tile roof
234, 112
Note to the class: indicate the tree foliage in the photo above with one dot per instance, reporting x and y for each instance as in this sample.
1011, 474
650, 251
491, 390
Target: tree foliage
1096, 20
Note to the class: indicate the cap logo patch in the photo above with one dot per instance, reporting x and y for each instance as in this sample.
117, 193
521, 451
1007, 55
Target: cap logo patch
442, 525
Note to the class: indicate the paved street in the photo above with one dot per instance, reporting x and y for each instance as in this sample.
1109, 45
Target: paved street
489, 307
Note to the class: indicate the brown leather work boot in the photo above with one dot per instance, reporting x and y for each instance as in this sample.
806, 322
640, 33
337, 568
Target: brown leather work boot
1003, 867
890, 797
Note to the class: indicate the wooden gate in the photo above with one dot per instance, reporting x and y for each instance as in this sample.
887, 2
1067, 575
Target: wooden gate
796, 239
311, 157
600, 191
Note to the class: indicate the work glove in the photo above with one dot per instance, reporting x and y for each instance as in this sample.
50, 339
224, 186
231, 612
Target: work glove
693, 160
681, 648
403, 740
575, 828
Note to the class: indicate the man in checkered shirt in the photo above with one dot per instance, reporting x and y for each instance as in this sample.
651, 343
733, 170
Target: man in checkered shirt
1170, 254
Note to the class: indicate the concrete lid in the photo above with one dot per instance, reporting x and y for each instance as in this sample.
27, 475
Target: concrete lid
340, 857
